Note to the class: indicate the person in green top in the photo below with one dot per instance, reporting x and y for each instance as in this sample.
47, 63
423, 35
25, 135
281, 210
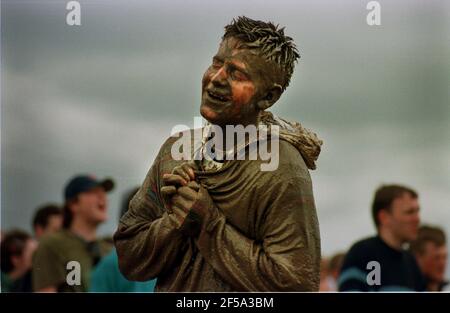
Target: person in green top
64, 260
106, 277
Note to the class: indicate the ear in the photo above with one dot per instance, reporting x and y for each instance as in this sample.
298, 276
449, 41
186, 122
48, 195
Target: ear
270, 98
383, 216
73, 206
38, 230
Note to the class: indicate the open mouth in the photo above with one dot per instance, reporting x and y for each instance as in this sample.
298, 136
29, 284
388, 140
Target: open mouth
216, 96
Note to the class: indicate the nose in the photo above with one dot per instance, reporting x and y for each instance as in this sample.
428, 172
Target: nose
219, 79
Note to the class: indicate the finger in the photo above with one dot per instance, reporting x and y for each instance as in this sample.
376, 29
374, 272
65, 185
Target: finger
181, 172
181, 214
187, 168
176, 219
194, 185
187, 193
174, 180
167, 191
181, 203
192, 164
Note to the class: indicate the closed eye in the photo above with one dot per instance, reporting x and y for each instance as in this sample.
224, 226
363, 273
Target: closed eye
216, 63
238, 75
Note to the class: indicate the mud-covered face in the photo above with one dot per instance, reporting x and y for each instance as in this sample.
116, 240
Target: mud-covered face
235, 82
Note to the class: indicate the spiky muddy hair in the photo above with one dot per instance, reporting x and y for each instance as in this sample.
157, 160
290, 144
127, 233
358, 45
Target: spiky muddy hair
271, 41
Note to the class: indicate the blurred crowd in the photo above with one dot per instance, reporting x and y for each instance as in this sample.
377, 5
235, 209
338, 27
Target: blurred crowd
65, 254
404, 255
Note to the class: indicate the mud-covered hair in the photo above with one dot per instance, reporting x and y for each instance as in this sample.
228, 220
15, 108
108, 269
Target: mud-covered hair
271, 41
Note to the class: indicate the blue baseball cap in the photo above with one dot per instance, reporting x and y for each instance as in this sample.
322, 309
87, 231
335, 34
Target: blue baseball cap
83, 183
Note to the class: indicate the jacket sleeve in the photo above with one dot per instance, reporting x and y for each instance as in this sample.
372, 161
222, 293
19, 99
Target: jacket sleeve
288, 256
146, 240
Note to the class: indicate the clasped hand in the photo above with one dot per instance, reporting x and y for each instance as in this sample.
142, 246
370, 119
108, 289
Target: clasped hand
187, 200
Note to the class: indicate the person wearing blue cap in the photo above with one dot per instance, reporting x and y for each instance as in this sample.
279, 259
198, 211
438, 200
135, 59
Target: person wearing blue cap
64, 260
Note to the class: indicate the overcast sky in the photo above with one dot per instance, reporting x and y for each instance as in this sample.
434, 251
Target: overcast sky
102, 97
